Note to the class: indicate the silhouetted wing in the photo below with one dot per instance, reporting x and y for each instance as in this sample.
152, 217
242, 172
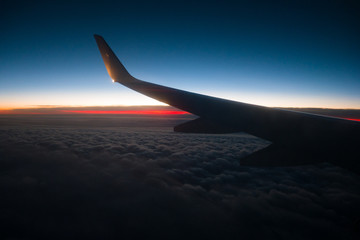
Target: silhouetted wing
301, 134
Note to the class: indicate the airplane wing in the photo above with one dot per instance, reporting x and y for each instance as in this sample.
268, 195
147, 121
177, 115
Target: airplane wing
297, 137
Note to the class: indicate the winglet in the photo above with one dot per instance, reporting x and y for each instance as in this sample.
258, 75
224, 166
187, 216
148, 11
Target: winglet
116, 70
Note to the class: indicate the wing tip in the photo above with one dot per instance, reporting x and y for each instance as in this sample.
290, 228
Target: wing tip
98, 37
115, 68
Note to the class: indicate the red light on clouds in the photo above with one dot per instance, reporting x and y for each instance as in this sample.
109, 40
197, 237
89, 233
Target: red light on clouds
16, 112
132, 112
5, 112
353, 119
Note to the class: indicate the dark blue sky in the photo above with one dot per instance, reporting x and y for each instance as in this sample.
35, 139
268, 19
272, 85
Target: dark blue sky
282, 53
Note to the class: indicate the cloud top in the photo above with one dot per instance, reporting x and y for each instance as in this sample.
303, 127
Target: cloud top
134, 183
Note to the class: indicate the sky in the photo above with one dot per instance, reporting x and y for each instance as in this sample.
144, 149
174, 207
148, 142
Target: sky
65, 175
272, 53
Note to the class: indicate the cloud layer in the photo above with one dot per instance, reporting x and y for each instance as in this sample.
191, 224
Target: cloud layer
133, 183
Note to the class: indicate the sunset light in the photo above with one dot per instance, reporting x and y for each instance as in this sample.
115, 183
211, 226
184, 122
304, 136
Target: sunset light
180, 120
130, 112
353, 119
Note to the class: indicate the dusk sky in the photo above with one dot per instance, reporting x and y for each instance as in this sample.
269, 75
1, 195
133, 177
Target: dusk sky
82, 157
282, 53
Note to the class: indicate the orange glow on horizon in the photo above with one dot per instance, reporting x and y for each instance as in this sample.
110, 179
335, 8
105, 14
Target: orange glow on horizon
132, 112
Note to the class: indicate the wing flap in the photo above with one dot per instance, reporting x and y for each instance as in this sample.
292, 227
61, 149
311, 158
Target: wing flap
201, 125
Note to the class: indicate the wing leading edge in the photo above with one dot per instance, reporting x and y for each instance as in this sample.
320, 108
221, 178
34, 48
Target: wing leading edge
297, 137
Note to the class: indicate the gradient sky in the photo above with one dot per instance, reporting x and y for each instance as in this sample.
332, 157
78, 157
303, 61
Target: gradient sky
273, 53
